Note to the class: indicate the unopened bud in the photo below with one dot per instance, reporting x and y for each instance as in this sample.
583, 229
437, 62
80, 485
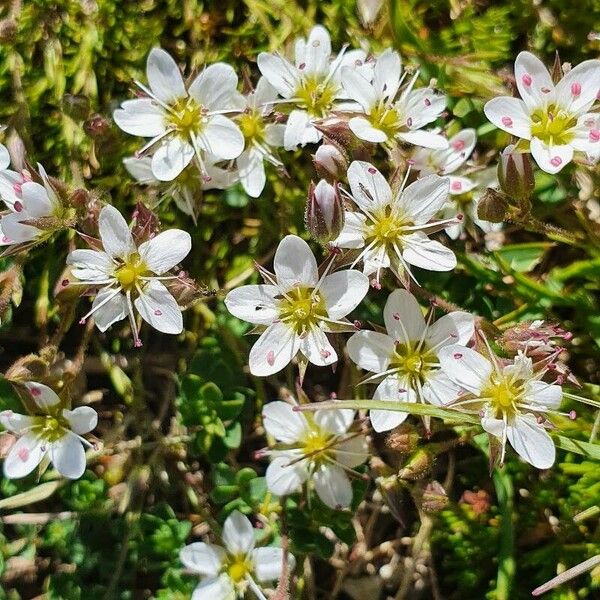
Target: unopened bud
330, 163
492, 207
515, 174
434, 497
77, 106
418, 465
324, 214
96, 126
403, 439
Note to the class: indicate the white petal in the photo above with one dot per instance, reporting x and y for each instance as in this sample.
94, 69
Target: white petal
14, 232
222, 138
550, 158
295, 264
4, 158
428, 254
493, 426
273, 350
283, 423
533, 80
216, 87
280, 73
359, 89
268, 563
333, 486
364, 130
531, 441
14, 422
425, 197
114, 233
460, 185
454, 328
159, 309
426, 139
164, 76
343, 291
82, 419
252, 172
465, 367
509, 114
90, 265
35, 199
353, 452
161, 253
140, 169
111, 311
403, 317
215, 588
543, 394
439, 389
578, 89
370, 190
238, 534
386, 74
205, 559
23, 457
336, 421
391, 389
171, 158
459, 149
284, 479
68, 456
371, 350
42, 394
317, 51
299, 130
142, 117
353, 234
317, 348
253, 303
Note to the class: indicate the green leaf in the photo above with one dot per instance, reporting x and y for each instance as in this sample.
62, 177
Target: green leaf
36, 494
578, 446
523, 257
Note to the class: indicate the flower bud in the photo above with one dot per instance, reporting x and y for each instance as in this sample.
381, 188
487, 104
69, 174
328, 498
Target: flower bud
329, 162
324, 214
417, 466
434, 497
515, 174
404, 439
492, 207
96, 126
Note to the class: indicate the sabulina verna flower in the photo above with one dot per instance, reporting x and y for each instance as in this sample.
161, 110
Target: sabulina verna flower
324, 215
184, 121
296, 308
511, 399
229, 572
317, 448
555, 120
387, 113
131, 276
391, 228
405, 359
53, 432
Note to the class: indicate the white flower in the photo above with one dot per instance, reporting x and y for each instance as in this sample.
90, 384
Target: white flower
54, 434
313, 447
312, 84
187, 187
296, 308
388, 114
131, 276
27, 201
555, 119
230, 571
406, 357
184, 121
260, 137
391, 228
511, 399
4, 158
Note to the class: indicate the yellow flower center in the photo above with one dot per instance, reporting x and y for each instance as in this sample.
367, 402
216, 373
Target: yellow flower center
316, 95
386, 119
553, 125
252, 126
502, 395
411, 362
50, 428
186, 117
129, 274
386, 229
302, 309
316, 443
238, 568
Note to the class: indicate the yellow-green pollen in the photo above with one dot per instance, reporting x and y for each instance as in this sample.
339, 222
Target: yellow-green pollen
316, 95
386, 229
386, 119
50, 428
186, 117
553, 125
413, 361
316, 443
130, 274
302, 309
253, 126
238, 567
502, 395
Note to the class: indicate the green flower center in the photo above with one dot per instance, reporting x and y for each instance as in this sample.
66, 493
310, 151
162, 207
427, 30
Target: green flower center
553, 125
186, 117
130, 274
253, 126
302, 309
316, 95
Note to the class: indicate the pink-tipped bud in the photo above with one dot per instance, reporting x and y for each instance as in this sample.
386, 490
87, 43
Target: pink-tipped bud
324, 212
330, 163
515, 174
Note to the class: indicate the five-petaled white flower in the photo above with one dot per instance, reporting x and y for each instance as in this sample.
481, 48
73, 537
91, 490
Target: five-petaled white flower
391, 228
260, 137
390, 114
313, 447
184, 121
296, 308
131, 276
54, 434
407, 356
555, 119
230, 571
510, 398
28, 201
312, 84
